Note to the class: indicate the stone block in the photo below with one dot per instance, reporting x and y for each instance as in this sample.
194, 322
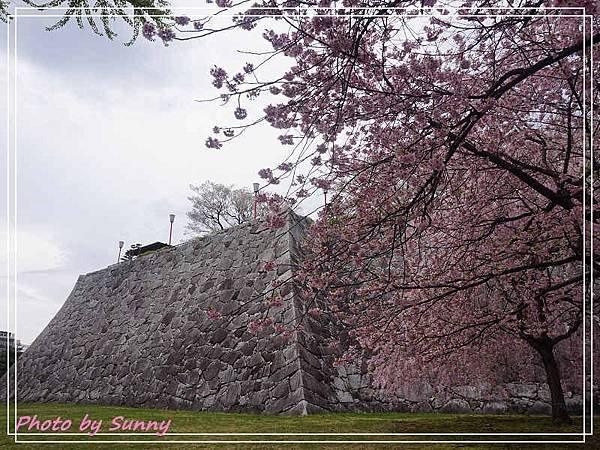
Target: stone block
456, 406
539, 407
495, 407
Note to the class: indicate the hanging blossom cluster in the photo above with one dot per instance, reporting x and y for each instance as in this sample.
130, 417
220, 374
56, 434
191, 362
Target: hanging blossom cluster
267, 174
219, 76
182, 20
240, 113
286, 139
213, 143
166, 32
150, 32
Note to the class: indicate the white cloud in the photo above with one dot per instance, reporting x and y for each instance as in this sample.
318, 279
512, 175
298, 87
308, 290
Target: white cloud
36, 251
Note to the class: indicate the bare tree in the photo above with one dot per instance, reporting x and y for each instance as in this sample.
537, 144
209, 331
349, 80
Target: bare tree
216, 207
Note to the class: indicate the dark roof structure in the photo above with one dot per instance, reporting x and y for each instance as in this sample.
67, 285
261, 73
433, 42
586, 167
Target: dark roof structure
145, 249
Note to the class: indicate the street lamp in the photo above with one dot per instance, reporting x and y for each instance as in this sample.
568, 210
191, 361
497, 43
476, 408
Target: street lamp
120, 248
256, 187
171, 219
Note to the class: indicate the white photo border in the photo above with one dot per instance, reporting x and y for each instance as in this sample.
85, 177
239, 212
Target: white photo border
12, 242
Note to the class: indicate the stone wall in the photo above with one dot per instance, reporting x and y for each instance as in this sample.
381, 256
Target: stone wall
138, 334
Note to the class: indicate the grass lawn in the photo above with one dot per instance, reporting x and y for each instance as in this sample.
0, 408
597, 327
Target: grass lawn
195, 422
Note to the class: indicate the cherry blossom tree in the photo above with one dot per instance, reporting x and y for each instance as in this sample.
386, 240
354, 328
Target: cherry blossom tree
454, 148
216, 207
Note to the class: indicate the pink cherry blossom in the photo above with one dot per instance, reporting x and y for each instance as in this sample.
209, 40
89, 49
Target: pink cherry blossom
270, 265
213, 314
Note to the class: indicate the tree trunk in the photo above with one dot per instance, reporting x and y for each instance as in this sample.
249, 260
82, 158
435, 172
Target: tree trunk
559, 408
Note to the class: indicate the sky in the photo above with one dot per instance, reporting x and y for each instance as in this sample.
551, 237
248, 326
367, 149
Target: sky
108, 140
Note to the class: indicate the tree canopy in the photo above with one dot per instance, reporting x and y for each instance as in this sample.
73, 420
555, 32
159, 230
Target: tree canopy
456, 143
216, 207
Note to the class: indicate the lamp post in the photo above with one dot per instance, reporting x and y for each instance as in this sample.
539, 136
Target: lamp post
256, 187
171, 219
120, 248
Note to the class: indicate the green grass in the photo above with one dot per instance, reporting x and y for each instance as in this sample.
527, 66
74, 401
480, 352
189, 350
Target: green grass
196, 422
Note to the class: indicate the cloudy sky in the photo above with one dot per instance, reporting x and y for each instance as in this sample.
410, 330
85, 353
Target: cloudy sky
108, 140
